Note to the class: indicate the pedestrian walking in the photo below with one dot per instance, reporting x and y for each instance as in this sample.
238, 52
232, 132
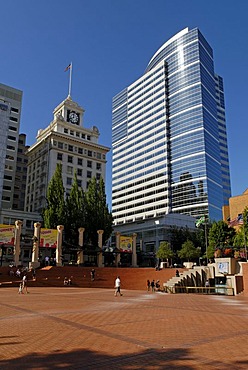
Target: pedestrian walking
20, 289
148, 285
118, 286
153, 285
25, 283
92, 274
207, 285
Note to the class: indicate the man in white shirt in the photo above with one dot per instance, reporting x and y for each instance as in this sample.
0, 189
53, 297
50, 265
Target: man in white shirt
117, 286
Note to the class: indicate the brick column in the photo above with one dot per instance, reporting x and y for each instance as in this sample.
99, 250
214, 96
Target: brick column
36, 239
17, 248
117, 244
134, 255
60, 229
80, 254
99, 257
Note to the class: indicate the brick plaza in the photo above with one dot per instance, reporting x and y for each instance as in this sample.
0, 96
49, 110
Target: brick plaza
81, 328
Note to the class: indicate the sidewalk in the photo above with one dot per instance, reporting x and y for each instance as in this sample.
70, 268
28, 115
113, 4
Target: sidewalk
70, 328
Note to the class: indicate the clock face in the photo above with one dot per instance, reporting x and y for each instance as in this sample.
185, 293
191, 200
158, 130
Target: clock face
73, 117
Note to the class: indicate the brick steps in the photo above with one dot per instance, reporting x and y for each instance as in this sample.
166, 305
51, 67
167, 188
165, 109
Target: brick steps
131, 278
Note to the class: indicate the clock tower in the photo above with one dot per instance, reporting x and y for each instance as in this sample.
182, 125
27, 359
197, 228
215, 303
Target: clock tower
69, 111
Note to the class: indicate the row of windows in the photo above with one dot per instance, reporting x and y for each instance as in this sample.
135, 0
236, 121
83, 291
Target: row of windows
70, 159
72, 148
139, 175
140, 189
139, 182
140, 204
172, 47
153, 207
136, 148
145, 82
151, 160
146, 103
121, 199
77, 134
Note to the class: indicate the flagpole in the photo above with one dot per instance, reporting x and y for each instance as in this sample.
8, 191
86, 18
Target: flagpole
206, 236
70, 78
244, 237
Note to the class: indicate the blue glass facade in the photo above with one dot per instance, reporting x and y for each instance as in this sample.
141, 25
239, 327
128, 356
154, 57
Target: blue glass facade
169, 136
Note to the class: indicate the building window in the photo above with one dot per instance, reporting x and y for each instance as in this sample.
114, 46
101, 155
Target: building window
98, 176
59, 156
71, 132
89, 164
77, 134
70, 170
79, 182
98, 155
15, 110
68, 181
10, 157
70, 148
89, 153
66, 130
60, 145
13, 138
10, 147
80, 151
5, 187
89, 174
99, 166
7, 177
70, 159
14, 119
12, 128
7, 199
88, 137
80, 161
79, 172
83, 136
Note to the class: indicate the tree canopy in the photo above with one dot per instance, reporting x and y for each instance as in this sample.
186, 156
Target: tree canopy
86, 209
220, 235
54, 213
164, 251
189, 251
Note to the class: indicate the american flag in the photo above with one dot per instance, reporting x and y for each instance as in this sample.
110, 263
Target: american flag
240, 219
236, 221
68, 67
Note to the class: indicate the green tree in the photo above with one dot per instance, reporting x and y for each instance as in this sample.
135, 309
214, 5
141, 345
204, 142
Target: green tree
220, 236
75, 212
164, 251
180, 235
188, 251
98, 215
54, 213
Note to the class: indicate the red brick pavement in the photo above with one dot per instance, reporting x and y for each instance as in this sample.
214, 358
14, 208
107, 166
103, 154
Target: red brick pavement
73, 328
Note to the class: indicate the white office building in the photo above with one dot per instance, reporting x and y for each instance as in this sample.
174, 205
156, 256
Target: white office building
10, 113
65, 140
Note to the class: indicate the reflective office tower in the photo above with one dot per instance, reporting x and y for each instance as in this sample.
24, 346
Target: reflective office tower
169, 136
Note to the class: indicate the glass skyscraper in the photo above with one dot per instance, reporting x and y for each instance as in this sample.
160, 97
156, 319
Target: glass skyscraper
169, 139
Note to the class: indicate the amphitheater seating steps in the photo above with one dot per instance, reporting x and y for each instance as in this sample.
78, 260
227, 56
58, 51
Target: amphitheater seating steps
53, 276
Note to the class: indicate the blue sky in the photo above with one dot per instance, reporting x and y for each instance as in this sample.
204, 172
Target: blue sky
110, 42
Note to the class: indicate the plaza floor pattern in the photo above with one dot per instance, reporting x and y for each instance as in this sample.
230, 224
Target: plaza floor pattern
81, 328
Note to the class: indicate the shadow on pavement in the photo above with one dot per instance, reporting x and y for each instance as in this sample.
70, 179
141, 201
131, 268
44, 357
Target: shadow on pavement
178, 358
